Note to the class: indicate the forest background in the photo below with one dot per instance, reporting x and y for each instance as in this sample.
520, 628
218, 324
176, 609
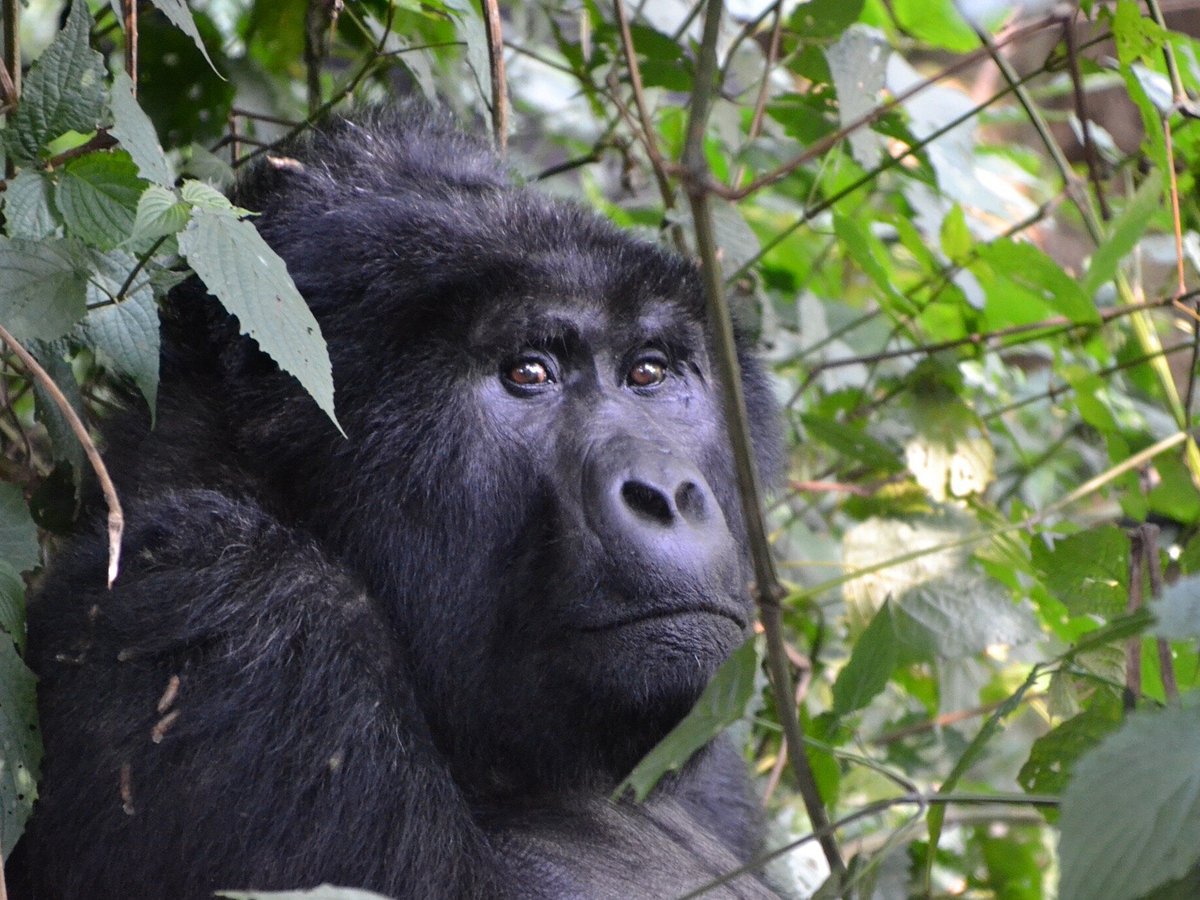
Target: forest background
967, 235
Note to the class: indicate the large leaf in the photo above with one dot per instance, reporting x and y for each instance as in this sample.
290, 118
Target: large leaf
181, 17
42, 288
1131, 813
252, 282
12, 604
126, 333
1126, 229
28, 210
98, 197
725, 700
20, 745
1088, 571
1027, 266
64, 90
875, 656
133, 128
18, 535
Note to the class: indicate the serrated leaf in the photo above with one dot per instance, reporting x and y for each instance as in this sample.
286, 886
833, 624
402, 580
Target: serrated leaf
1087, 571
962, 613
858, 64
181, 17
63, 442
1127, 228
252, 282
126, 334
871, 664
321, 892
206, 196
159, 213
724, 701
18, 534
28, 211
1053, 756
20, 745
63, 92
98, 197
136, 134
1131, 813
12, 604
42, 288
1026, 265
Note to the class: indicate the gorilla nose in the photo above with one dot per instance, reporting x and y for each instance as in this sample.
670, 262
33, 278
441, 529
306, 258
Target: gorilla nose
666, 504
650, 506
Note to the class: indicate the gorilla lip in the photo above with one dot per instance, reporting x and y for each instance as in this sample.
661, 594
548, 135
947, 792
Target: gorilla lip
644, 615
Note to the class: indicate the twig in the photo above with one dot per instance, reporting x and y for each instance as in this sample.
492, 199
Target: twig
767, 588
764, 86
1133, 651
130, 12
495, 44
12, 67
319, 22
1177, 89
1166, 664
116, 518
647, 131
1090, 156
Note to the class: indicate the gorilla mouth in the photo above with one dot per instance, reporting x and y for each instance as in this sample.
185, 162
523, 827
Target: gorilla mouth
647, 614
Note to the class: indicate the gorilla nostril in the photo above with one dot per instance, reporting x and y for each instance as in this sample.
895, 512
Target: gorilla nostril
689, 500
647, 501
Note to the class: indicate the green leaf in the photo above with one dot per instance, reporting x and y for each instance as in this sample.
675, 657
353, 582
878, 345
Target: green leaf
852, 442
20, 745
1131, 812
724, 701
1127, 228
159, 213
197, 193
64, 90
321, 892
1088, 571
181, 17
936, 22
962, 613
135, 132
957, 242
824, 18
98, 197
871, 664
1053, 756
28, 211
252, 282
18, 534
125, 334
12, 604
42, 288
63, 442
1027, 266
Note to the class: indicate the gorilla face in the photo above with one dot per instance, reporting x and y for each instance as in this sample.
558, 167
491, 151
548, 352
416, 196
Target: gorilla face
537, 483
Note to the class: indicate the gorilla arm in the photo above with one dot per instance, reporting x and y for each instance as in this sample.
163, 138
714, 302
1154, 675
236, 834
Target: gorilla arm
266, 738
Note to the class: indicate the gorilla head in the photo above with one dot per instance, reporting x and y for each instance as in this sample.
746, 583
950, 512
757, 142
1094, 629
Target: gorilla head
514, 573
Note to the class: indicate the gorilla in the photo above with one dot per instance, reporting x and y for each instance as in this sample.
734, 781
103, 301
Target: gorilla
416, 658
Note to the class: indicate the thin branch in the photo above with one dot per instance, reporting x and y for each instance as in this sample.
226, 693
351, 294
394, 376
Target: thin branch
1177, 89
495, 44
1090, 154
1166, 663
767, 588
116, 518
12, 67
1133, 647
130, 12
647, 131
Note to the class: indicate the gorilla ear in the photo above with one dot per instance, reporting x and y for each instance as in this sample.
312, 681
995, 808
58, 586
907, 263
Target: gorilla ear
284, 163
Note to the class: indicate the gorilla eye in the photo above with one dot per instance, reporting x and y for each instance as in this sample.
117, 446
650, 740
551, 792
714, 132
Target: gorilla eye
528, 373
647, 373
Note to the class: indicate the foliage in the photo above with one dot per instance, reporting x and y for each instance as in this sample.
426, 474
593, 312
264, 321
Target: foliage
969, 247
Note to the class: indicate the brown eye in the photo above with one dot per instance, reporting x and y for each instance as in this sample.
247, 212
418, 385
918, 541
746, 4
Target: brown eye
647, 373
529, 373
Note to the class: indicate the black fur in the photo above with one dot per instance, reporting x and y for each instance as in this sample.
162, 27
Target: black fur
416, 659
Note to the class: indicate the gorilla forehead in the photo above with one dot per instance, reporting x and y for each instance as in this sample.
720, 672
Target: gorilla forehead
406, 214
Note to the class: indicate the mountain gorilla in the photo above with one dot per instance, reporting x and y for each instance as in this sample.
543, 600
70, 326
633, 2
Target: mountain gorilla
419, 657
